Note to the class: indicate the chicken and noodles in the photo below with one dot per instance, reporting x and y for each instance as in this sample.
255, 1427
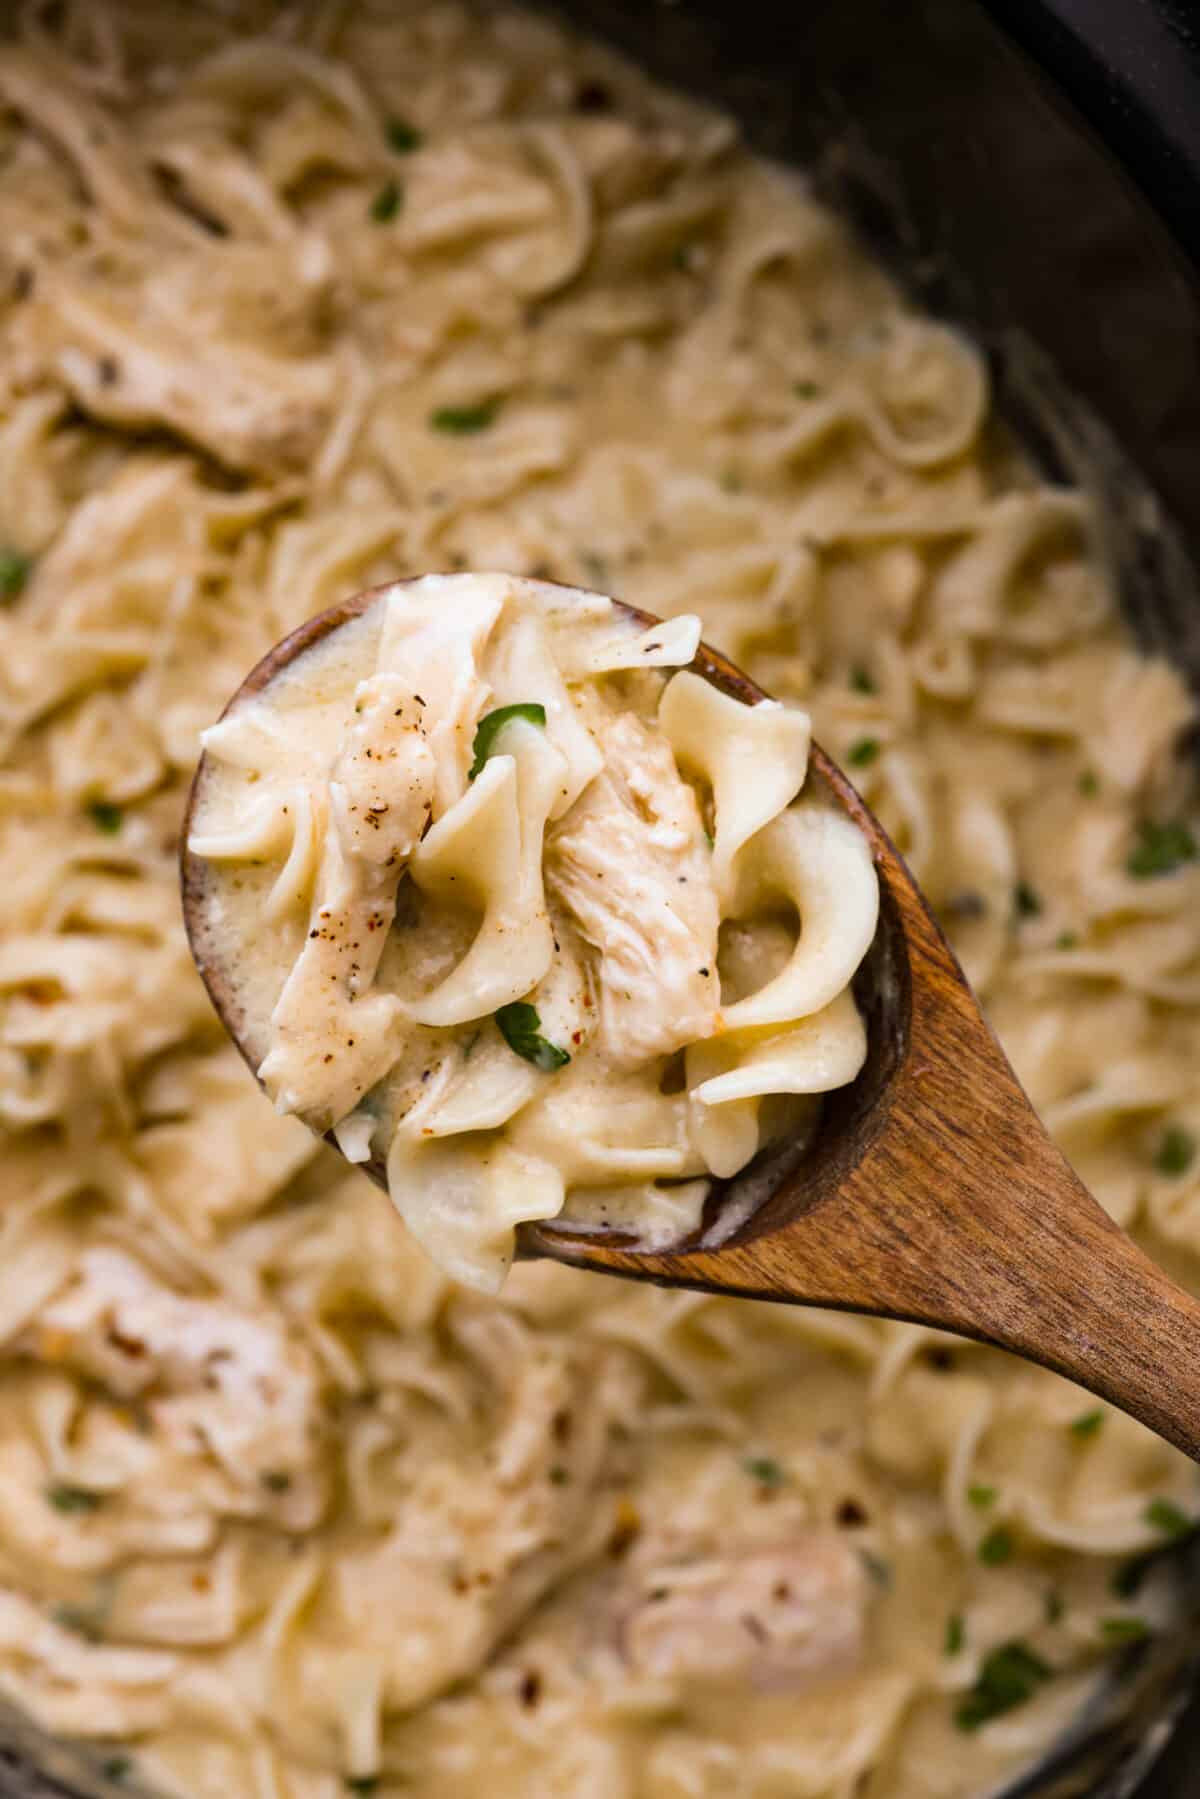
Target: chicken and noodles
468, 905
298, 300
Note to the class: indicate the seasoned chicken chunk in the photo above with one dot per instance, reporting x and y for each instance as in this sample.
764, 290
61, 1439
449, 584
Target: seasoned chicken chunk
332, 1034
213, 1376
631, 863
780, 1619
131, 364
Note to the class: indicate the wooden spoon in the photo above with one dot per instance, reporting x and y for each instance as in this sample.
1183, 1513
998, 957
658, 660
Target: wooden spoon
931, 1193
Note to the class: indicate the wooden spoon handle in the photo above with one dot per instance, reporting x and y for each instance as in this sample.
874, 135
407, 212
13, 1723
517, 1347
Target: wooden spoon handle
952, 1207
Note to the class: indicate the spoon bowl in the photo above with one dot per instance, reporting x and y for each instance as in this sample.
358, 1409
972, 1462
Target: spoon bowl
930, 1192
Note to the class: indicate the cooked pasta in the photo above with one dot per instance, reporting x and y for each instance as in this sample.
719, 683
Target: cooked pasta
485, 936
297, 301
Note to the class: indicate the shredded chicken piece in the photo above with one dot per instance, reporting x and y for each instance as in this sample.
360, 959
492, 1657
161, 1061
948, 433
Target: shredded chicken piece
475, 1547
782, 1618
212, 1375
331, 1034
131, 363
631, 863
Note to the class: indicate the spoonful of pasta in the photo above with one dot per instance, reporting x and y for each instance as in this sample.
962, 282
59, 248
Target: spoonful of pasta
571, 938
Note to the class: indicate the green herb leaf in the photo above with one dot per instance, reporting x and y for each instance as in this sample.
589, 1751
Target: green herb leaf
1176, 1151
1054, 1607
520, 1027
1067, 940
84, 1623
765, 1470
1009, 1677
997, 1547
681, 256
805, 390
981, 1497
956, 1634
879, 1570
491, 725
1160, 849
387, 203
1087, 1423
66, 1498
1089, 784
15, 570
361, 1783
595, 566
862, 753
116, 1767
461, 421
403, 137
558, 1475
861, 680
106, 817
1124, 1630
1027, 900
276, 1480
1128, 1580
1170, 1519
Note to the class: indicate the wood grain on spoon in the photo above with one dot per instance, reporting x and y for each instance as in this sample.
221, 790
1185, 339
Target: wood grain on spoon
932, 1191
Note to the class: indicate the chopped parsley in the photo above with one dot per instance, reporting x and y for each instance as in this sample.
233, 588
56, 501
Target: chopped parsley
462, 421
1054, 1606
1124, 1630
14, 573
116, 1767
681, 256
765, 1470
1176, 1151
861, 679
66, 1498
1027, 900
361, 1783
1089, 784
981, 1497
1160, 849
879, 1570
403, 137
595, 566
491, 725
805, 390
520, 1027
1009, 1677
558, 1475
106, 817
1165, 1516
1127, 1580
997, 1547
1067, 940
956, 1634
1087, 1423
387, 202
88, 1625
863, 753
276, 1480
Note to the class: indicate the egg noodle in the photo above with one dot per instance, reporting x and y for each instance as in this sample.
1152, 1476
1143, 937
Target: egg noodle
299, 300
